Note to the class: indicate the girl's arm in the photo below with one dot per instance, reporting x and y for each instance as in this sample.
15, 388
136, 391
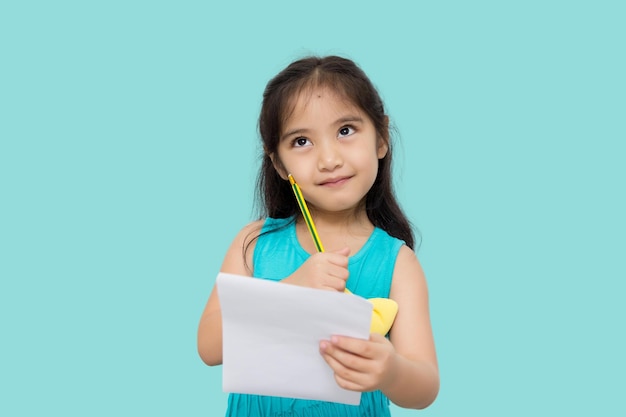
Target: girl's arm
210, 327
405, 368
415, 382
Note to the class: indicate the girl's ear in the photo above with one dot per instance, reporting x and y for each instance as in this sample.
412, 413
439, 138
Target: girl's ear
383, 147
278, 166
383, 141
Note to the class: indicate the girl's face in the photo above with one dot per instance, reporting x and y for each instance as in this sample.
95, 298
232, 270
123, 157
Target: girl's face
331, 148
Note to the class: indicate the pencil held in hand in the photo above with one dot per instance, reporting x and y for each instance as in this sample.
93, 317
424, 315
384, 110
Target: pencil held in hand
306, 214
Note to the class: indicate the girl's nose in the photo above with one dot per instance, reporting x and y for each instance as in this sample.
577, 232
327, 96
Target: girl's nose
329, 156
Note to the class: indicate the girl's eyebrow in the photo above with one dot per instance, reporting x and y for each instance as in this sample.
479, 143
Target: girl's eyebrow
293, 132
349, 119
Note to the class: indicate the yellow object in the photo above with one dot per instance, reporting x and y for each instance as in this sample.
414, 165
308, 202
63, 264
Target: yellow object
385, 309
383, 314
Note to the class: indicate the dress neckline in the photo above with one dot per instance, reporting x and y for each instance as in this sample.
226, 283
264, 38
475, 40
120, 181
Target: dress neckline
353, 259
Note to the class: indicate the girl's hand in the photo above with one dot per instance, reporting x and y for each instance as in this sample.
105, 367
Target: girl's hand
360, 365
323, 270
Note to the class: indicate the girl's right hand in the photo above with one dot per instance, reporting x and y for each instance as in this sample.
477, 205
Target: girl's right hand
323, 270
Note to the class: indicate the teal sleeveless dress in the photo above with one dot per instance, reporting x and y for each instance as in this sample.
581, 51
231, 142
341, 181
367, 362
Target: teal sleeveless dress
278, 254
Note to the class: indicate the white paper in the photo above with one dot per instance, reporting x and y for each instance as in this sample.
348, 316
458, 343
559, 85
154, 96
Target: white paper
271, 333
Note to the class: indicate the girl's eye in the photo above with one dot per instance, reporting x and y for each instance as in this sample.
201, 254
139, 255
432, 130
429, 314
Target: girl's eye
345, 131
299, 142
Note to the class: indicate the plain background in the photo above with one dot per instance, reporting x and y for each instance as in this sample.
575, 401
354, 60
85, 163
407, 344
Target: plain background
128, 156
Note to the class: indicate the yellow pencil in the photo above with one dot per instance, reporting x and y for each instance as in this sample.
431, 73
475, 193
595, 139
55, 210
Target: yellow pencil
306, 214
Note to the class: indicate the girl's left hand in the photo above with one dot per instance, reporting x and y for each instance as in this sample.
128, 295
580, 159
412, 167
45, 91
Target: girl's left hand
360, 365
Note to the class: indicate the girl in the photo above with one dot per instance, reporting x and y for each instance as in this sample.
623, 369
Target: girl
323, 122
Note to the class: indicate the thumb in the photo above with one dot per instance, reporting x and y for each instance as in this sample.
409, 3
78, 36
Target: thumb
343, 251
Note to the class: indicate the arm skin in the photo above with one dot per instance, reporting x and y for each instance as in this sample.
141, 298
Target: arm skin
405, 368
210, 327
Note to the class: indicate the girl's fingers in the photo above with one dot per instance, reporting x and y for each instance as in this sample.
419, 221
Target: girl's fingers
357, 347
345, 377
339, 272
365, 364
343, 358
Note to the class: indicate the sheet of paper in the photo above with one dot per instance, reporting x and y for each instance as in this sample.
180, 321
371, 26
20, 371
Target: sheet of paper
271, 334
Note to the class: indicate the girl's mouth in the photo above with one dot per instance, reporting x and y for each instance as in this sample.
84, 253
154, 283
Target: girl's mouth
335, 182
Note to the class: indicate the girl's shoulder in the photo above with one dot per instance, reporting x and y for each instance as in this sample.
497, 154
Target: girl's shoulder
247, 233
247, 237
408, 272
253, 226
243, 243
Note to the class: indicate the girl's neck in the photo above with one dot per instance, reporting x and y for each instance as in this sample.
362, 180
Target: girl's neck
337, 230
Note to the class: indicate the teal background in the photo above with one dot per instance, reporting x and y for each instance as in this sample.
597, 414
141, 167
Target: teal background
128, 156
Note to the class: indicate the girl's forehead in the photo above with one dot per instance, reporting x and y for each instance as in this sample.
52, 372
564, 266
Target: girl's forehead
300, 101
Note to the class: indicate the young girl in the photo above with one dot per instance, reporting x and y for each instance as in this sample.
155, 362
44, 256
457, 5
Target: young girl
323, 122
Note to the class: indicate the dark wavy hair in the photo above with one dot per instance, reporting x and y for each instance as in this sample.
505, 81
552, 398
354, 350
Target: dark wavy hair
274, 194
